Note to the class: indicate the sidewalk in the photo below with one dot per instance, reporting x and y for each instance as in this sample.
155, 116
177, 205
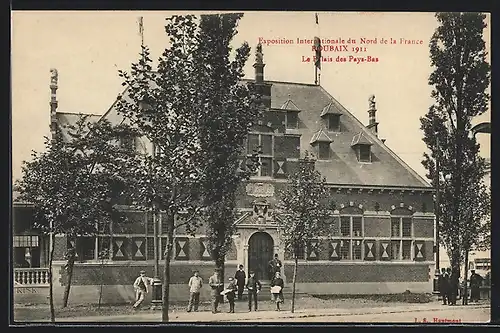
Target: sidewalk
206, 316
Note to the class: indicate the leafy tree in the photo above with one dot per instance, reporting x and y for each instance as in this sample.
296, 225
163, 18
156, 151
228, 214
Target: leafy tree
303, 211
226, 111
160, 106
460, 78
74, 184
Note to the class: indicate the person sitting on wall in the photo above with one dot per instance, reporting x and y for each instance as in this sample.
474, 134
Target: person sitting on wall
274, 266
141, 287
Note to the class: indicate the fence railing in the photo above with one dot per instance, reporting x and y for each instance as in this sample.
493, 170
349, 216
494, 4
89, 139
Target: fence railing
31, 276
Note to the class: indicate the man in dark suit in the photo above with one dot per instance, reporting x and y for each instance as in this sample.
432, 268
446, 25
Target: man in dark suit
254, 286
240, 278
443, 285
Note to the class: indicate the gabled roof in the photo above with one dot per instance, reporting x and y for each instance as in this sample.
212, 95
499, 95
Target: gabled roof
330, 109
289, 106
70, 118
343, 168
387, 169
360, 139
320, 136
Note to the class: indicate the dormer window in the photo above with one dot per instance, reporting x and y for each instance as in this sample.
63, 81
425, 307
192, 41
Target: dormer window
364, 153
362, 146
321, 141
291, 120
323, 150
331, 117
127, 142
291, 114
333, 122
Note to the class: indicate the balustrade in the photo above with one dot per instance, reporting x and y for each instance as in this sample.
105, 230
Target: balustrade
31, 276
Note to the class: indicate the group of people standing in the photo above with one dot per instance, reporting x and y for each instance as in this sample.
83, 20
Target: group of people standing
449, 286
233, 289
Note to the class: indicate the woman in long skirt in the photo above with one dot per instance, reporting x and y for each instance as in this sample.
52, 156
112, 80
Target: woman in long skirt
277, 285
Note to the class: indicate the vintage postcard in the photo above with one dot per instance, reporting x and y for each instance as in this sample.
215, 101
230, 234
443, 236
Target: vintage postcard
251, 167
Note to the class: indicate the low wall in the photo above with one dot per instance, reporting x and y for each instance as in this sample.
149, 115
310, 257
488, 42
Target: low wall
312, 278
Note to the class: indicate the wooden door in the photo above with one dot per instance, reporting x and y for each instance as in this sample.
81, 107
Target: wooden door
260, 252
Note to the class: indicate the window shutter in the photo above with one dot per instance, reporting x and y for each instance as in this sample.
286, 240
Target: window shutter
335, 250
370, 250
280, 168
385, 250
419, 251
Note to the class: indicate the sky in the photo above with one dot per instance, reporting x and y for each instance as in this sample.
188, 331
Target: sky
89, 47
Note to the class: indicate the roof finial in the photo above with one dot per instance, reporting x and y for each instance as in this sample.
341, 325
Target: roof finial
259, 64
259, 57
371, 99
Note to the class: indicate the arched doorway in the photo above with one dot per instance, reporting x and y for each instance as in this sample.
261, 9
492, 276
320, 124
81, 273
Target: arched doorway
260, 252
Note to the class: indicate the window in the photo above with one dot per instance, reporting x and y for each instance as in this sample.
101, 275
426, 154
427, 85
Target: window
401, 237
351, 231
265, 143
364, 153
25, 241
300, 251
323, 150
333, 122
345, 247
127, 142
262, 141
291, 120
265, 167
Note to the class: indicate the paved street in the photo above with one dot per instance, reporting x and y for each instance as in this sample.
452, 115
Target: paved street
408, 313
462, 315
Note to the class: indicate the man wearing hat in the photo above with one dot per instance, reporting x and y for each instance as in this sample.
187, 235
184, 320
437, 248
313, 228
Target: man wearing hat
141, 287
254, 286
216, 285
230, 293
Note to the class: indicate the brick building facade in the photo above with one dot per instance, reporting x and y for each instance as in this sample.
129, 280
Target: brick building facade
383, 210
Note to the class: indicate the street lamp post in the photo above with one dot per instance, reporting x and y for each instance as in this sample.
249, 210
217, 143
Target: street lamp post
437, 214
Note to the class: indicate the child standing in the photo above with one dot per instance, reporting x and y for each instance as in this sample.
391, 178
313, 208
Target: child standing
231, 293
277, 285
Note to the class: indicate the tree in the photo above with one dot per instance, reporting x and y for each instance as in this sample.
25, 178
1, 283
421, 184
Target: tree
302, 211
226, 111
160, 105
460, 78
73, 186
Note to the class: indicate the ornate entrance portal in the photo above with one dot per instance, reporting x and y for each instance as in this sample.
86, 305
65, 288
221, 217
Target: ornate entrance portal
260, 252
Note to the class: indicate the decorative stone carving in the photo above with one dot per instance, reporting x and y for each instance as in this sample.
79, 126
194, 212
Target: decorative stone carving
371, 101
260, 190
260, 209
53, 76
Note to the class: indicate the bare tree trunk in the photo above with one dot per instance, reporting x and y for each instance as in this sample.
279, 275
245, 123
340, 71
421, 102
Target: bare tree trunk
466, 272
69, 270
219, 264
296, 263
51, 285
166, 268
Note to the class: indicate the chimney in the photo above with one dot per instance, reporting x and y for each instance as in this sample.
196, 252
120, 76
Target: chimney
53, 102
263, 89
372, 122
